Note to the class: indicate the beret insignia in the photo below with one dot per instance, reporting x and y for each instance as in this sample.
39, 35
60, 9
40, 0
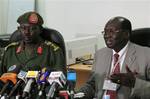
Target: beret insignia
33, 18
11, 68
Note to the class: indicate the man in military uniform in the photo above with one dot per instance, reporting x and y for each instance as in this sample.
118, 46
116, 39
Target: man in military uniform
32, 52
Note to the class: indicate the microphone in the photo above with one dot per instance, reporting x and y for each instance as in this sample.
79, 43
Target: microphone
32, 76
79, 95
1, 84
57, 80
42, 80
14, 70
9, 78
71, 80
21, 76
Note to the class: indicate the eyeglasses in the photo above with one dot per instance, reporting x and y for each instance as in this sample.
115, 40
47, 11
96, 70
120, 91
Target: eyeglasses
110, 32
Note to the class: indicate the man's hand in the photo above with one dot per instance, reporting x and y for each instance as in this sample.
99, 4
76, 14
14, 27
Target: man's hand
126, 79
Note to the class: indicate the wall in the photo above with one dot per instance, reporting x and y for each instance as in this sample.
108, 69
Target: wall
75, 18
16, 8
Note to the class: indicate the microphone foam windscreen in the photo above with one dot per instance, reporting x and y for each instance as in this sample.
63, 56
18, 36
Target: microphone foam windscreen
14, 69
71, 75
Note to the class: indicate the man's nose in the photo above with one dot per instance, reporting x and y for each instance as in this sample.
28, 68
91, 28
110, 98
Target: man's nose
108, 35
27, 30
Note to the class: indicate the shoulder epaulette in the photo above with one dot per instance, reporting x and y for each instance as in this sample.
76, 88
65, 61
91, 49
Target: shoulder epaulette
11, 44
56, 47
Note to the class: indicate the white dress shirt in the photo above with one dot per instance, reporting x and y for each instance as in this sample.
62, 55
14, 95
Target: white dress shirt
122, 53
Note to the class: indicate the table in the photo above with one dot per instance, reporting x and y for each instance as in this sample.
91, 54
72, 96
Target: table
83, 72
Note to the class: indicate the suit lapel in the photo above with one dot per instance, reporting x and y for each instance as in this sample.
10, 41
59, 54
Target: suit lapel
106, 66
108, 61
129, 58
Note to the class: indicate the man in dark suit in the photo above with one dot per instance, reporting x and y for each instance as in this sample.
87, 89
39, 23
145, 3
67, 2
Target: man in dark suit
121, 70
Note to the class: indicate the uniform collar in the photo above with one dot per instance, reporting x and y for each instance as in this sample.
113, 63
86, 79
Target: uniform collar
21, 47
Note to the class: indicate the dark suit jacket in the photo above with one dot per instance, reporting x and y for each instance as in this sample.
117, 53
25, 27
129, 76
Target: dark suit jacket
137, 58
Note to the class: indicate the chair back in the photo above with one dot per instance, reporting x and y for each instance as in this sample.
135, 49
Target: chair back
141, 36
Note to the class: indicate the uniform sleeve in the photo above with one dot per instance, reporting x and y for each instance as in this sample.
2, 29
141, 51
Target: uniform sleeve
3, 66
59, 61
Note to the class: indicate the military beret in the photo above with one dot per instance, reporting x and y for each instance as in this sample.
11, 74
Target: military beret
31, 18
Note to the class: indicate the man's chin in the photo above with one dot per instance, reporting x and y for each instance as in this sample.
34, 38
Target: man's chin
109, 46
28, 41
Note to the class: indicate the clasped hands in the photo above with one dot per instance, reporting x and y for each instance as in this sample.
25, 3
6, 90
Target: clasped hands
125, 79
